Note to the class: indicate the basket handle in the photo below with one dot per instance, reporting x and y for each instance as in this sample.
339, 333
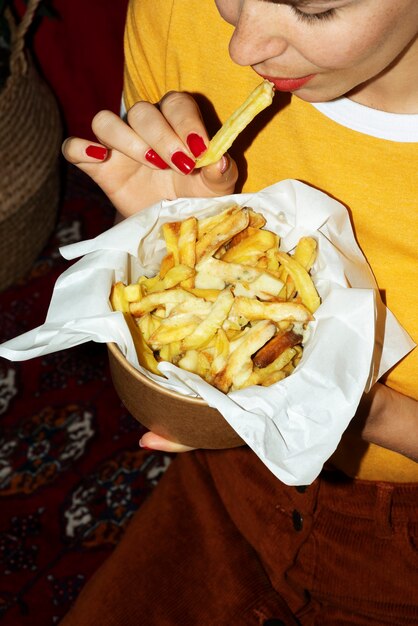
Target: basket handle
17, 56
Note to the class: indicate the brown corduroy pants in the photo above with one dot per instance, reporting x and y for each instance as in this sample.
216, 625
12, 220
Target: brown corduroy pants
221, 542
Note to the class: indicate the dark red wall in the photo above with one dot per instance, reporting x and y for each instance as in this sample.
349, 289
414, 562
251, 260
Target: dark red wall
81, 56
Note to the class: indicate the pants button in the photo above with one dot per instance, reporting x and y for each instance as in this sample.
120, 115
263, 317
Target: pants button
297, 520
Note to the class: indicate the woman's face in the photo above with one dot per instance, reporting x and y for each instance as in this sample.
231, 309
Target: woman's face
369, 47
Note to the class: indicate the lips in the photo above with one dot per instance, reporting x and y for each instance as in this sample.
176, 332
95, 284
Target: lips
289, 84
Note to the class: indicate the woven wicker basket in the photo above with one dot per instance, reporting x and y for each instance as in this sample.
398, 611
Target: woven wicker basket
30, 138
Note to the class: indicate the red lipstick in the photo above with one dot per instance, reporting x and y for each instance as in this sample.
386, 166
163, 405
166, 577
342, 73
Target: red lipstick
289, 84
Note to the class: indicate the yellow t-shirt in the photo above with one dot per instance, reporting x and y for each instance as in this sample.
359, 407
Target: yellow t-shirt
178, 45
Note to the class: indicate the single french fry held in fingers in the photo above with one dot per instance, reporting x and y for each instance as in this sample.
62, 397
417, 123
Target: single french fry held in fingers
257, 101
226, 304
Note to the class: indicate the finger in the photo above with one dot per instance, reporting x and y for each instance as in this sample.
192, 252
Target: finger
220, 178
114, 133
148, 122
79, 151
183, 114
155, 442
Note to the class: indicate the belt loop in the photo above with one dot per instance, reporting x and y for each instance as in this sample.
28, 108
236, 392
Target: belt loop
383, 510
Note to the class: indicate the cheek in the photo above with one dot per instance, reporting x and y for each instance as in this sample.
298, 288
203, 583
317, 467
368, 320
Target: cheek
367, 41
346, 49
229, 10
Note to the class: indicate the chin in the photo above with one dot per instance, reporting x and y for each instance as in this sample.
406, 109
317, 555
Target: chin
319, 96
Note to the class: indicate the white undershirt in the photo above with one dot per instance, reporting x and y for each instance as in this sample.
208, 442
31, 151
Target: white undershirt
380, 124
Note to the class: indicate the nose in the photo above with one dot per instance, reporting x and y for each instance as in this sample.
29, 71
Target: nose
255, 38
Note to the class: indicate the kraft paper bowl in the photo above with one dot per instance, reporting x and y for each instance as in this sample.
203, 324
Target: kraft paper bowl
179, 418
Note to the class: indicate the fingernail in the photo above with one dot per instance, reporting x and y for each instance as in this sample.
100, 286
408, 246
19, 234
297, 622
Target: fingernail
143, 447
196, 144
224, 164
97, 152
183, 162
155, 159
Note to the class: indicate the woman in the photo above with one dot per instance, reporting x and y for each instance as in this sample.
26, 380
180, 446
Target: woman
221, 541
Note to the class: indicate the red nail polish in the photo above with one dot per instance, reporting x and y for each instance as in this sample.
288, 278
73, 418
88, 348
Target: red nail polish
97, 152
196, 144
183, 162
155, 159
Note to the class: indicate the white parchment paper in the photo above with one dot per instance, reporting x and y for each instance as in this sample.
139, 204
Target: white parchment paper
294, 425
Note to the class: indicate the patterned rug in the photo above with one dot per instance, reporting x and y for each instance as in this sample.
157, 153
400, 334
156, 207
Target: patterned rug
71, 472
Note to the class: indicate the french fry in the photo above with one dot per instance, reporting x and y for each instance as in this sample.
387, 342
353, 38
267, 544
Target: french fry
243, 234
171, 232
267, 375
299, 353
229, 272
275, 347
144, 353
148, 324
187, 248
210, 324
257, 220
302, 280
173, 329
148, 284
263, 287
272, 378
240, 366
253, 309
170, 352
262, 262
208, 282
222, 231
133, 292
305, 252
198, 306
196, 362
206, 224
259, 99
251, 247
166, 264
207, 294
272, 260
118, 298
153, 300
176, 275
221, 352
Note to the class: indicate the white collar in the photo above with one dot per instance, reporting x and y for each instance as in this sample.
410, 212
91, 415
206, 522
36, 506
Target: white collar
391, 126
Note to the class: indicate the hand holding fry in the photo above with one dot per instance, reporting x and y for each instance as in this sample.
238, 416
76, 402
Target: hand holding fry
136, 166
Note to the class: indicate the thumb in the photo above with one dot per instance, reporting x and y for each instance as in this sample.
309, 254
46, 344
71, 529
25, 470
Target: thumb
219, 178
151, 441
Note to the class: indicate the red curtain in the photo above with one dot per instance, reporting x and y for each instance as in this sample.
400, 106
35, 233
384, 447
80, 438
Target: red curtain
81, 56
